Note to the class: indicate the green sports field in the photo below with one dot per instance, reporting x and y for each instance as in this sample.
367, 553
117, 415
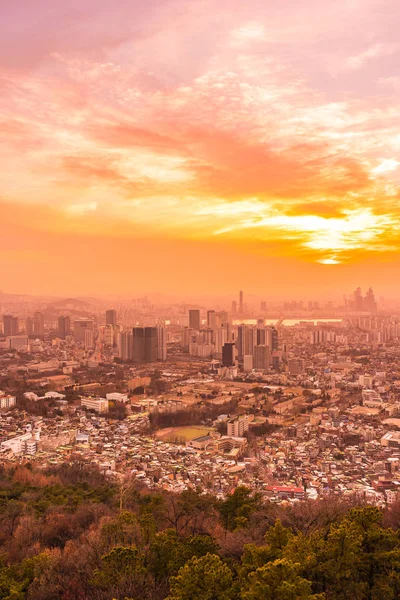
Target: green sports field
182, 433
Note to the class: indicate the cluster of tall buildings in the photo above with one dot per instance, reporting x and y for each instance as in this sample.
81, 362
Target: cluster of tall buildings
360, 303
10, 325
238, 308
34, 326
143, 344
252, 345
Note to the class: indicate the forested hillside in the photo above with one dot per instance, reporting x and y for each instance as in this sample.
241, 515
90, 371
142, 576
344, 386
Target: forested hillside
68, 533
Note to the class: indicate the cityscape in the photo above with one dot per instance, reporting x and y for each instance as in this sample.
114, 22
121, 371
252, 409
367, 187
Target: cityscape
181, 397
199, 300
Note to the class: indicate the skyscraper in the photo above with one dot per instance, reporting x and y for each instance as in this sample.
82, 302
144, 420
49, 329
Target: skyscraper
10, 325
111, 317
108, 335
241, 306
138, 352
194, 319
126, 345
161, 343
211, 319
358, 300
29, 326
246, 340
228, 355
370, 303
148, 344
261, 357
89, 339
38, 324
64, 327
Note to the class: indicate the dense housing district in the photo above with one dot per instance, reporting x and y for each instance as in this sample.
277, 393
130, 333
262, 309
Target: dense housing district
303, 405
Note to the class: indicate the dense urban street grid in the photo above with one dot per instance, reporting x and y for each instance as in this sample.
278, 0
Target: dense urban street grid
302, 404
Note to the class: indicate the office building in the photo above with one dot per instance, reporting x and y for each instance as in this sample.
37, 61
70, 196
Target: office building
10, 325
111, 317
228, 355
80, 328
241, 305
194, 319
64, 327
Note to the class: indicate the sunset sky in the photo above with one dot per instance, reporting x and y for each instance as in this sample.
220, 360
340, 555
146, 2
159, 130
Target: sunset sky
188, 146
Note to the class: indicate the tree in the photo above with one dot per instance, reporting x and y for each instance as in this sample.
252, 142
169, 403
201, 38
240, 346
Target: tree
206, 578
236, 510
279, 580
122, 572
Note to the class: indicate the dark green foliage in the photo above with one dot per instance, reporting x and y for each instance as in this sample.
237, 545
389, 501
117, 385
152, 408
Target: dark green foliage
65, 535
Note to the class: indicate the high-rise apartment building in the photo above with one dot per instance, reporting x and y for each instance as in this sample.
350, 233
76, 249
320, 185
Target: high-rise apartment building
237, 427
241, 305
138, 352
194, 319
211, 319
29, 326
125, 345
148, 344
10, 325
89, 339
108, 335
111, 317
220, 338
246, 340
64, 327
38, 324
161, 343
261, 358
247, 364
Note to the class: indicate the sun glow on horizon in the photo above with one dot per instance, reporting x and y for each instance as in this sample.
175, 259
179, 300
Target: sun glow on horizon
249, 128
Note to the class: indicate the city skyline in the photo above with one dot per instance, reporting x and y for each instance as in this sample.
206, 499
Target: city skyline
171, 145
